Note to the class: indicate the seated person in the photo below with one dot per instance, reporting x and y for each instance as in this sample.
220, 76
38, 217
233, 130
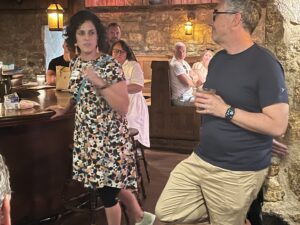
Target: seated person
5, 194
200, 68
62, 60
182, 83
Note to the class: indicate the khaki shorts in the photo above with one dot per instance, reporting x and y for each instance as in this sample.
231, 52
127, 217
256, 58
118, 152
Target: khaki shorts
197, 190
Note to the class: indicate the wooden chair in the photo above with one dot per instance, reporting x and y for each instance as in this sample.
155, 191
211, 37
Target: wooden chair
171, 127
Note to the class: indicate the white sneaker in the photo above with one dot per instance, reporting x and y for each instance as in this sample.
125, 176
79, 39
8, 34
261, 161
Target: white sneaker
148, 219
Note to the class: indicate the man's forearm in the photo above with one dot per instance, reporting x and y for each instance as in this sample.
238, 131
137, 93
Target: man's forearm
261, 122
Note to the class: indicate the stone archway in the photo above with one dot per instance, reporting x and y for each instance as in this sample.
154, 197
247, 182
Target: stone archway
282, 196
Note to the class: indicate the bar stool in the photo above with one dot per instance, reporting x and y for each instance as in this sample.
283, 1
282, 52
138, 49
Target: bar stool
141, 156
93, 205
141, 188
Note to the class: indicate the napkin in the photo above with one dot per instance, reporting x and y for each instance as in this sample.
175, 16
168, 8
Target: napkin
11, 101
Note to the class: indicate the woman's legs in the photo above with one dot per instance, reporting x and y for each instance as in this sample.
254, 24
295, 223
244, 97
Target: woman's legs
111, 204
113, 215
131, 203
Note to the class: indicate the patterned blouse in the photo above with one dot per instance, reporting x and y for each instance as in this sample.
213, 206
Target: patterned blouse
102, 154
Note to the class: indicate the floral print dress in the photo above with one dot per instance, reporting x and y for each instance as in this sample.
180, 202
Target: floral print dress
102, 154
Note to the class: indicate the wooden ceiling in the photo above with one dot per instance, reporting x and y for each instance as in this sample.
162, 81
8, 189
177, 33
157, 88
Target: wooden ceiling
43, 4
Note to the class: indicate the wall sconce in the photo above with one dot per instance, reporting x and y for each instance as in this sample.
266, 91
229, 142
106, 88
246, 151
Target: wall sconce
55, 17
188, 26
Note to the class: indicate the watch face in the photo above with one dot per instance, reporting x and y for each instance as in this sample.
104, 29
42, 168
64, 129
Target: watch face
229, 113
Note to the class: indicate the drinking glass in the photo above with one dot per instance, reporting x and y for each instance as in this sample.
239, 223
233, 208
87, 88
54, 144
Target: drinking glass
40, 79
207, 91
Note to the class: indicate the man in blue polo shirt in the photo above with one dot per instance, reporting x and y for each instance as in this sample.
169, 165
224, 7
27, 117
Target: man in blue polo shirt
226, 171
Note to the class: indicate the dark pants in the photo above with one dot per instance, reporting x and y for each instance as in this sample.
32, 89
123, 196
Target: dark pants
108, 196
254, 214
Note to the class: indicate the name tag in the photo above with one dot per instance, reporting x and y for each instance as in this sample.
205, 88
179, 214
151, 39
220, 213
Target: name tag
75, 75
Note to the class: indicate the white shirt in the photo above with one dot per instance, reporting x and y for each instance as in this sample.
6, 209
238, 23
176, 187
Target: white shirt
178, 67
137, 116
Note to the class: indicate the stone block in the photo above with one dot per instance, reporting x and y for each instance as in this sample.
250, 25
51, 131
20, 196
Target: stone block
155, 38
295, 216
274, 195
294, 178
274, 190
135, 38
274, 170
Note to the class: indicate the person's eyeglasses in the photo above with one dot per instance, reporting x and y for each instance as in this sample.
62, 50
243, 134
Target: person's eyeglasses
216, 12
118, 51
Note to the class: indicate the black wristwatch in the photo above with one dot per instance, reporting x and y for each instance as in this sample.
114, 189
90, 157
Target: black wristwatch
229, 113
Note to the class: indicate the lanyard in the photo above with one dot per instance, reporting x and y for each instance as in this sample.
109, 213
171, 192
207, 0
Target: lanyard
99, 64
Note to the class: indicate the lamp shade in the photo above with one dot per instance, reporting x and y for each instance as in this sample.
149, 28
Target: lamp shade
55, 17
188, 27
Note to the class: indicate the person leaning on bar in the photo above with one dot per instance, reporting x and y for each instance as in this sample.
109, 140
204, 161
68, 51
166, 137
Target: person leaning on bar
62, 60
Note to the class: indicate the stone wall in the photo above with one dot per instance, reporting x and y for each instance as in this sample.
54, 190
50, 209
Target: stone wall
155, 32
21, 39
283, 38
149, 32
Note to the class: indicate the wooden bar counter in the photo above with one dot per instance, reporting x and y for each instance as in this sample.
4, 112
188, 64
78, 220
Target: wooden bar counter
36, 150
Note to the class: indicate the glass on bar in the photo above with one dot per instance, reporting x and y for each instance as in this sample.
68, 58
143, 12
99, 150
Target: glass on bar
40, 78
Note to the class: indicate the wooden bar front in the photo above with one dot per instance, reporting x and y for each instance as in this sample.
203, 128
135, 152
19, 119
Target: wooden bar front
35, 148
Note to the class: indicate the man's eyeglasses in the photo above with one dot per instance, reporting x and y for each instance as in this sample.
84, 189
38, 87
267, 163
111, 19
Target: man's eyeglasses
118, 51
216, 12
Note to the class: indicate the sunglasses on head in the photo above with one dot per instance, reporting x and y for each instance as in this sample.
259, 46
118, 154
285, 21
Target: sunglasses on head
216, 12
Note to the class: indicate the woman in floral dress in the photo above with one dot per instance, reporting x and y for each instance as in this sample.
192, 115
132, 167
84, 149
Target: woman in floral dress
102, 155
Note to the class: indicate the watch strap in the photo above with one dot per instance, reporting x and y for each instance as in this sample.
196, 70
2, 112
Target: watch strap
229, 113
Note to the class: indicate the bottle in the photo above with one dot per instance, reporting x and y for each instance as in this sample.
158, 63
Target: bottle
1, 84
5, 85
1, 65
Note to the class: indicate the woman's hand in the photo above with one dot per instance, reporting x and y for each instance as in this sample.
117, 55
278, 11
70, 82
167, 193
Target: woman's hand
59, 111
92, 76
198, 83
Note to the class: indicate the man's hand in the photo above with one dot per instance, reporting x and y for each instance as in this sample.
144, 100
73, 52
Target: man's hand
279, 148
211, 104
